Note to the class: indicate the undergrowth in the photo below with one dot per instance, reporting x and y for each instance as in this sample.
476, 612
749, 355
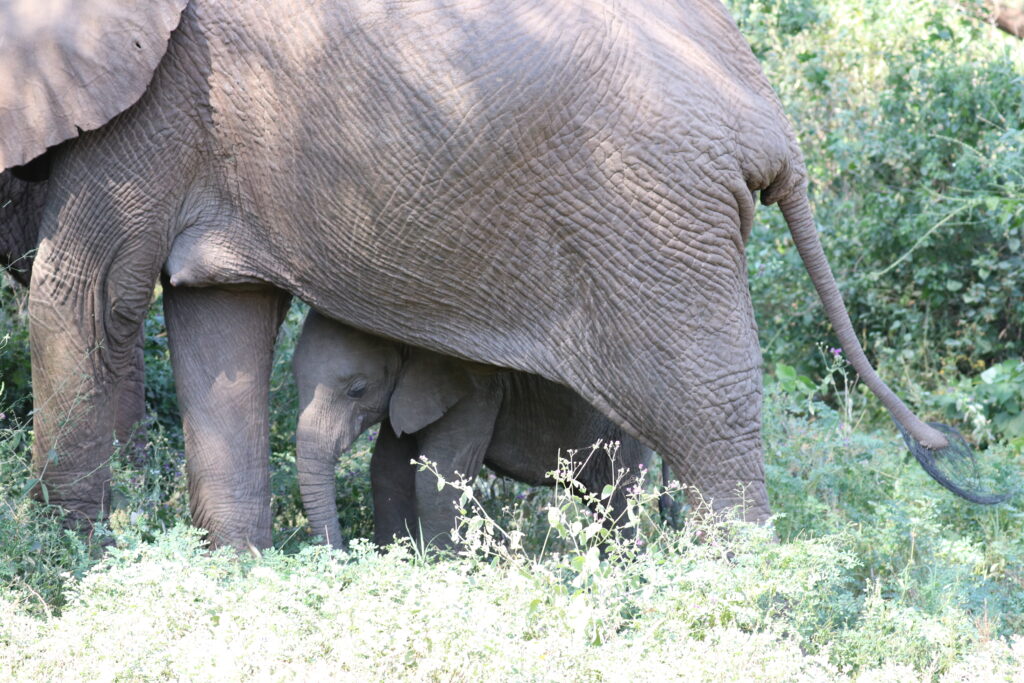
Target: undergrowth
878, 572
910, 116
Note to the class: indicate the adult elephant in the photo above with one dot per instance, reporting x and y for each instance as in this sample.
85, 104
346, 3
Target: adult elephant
560, 187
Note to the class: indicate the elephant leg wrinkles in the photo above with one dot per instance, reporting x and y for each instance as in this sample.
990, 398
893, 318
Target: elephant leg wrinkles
85, 335
222, 343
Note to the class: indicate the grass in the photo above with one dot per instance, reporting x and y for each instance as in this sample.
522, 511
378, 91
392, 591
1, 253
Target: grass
880, 575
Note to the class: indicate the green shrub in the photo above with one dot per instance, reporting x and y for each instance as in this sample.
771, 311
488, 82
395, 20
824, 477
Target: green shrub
37, 555
911, 119
889, 578
991, 403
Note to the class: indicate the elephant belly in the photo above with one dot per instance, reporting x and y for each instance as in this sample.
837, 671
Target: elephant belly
539, 423
206, 255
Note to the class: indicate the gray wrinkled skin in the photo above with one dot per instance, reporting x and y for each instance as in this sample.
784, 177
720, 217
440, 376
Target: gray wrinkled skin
72, 65
563, 188
22, 203
458, 415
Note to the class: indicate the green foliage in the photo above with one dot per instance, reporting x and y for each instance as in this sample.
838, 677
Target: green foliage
879, 574
990, 404
286, 502
161, 396
37, 554
793, 383
15, 368
911, 119
879, 570
149, 490
1001, 389
929, 549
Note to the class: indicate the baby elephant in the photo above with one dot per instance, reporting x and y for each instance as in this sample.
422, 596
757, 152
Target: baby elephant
458, 414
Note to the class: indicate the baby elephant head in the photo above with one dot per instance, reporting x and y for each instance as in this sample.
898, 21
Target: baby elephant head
349, 380
345, 379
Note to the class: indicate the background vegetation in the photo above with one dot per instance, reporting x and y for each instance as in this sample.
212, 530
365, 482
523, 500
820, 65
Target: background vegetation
910, 116
911, 120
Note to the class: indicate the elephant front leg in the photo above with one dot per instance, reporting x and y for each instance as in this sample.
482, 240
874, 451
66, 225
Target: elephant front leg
457, 444
222, 344
87, 372
393, 477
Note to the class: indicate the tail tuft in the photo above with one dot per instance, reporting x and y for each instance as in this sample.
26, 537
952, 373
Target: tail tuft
954, 466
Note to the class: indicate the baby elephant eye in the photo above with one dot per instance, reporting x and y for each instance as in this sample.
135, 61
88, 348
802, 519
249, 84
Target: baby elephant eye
357, 388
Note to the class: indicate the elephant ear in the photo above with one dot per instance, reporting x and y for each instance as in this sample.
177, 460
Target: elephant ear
428, 385
72, 65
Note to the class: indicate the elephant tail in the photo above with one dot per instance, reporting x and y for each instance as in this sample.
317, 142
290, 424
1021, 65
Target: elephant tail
940, 449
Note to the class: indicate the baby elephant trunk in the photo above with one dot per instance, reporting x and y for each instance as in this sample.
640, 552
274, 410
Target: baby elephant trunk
316, 458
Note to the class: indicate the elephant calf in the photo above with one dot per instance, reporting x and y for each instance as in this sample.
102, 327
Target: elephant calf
458, 414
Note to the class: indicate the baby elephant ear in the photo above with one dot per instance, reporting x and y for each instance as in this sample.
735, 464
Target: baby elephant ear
74, 64
429, 384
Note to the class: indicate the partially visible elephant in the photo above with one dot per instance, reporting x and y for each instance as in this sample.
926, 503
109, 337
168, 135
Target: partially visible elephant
22, 200
1007, 15
459, 415
563, 188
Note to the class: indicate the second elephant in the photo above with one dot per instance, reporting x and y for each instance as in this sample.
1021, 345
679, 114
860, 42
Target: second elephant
458, 414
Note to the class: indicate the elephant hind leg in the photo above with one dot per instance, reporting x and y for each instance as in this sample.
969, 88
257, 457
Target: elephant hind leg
693, 393
222, 343
718, 455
